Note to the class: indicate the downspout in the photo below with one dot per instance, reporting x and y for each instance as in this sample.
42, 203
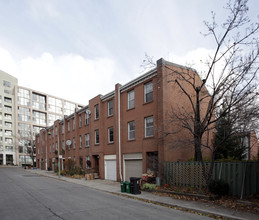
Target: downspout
119, 133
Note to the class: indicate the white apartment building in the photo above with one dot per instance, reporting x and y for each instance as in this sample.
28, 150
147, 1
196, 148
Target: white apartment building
23, 112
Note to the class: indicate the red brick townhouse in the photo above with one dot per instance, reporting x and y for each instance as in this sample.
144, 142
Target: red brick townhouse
122, 133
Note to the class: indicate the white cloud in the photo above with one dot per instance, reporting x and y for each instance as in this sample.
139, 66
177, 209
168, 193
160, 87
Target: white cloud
7, 63
196, 59
69, 76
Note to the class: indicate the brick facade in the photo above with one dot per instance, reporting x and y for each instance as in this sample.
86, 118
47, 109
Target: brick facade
131, 133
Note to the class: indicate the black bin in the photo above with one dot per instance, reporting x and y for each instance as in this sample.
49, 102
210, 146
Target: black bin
135, 185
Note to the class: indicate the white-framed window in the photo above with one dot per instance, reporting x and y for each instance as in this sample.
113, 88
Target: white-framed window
53, 147
80, 121
63, 145
86, 118
56, 146
87, 140
74, 123
148, 92
131, 130
63, 128
74, 143
68, 126
131, 99
97, 137
96, 111
56, 130
80, 140
110, 135
110, 108
149, 126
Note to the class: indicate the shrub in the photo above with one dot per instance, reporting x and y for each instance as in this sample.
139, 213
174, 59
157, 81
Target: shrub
149, 186
218, 187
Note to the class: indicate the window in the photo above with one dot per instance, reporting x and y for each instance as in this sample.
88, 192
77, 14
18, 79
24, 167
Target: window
55, 105
53, 147
149, 126
8, 140
131, 99
56, 130
68, 126
23, 97
96, 110
63, 146
131, 130
24, 114
39, 118
97, 137
110, 135
8, 124
38, 101
74, 124
80, 121
8, 108
6, 83
69, 108
8, 132
80, 139
148, 92
74, 142
110, 108
86, 118
9, 148
63, 128
8, 116
8, 100
53, 118
87, 140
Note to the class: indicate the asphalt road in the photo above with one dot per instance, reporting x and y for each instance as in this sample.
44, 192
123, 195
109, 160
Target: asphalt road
24, 195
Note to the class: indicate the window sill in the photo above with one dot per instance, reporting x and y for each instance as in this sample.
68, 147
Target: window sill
97, 145
131, 140
129, 109
145, 103
109, 116
110, 143
150, 137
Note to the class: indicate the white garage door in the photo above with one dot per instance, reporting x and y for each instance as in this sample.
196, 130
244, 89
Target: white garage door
133, 168
110, 170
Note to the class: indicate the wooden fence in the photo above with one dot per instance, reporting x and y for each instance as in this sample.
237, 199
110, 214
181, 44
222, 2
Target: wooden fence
241, 176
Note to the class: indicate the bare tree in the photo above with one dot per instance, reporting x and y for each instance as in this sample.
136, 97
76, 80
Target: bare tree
231, 73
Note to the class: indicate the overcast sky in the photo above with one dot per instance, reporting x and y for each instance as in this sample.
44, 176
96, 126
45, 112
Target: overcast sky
77, 49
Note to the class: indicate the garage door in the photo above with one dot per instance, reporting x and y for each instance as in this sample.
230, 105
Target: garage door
110, 170
133, 168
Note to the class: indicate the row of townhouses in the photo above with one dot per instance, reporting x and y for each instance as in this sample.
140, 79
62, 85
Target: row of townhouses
23, 112
123, 133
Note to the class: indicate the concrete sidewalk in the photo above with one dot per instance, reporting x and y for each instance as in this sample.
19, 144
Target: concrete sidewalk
114, 187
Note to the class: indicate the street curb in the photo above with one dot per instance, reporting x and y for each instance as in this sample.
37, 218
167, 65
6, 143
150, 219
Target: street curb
183, 208
177, 207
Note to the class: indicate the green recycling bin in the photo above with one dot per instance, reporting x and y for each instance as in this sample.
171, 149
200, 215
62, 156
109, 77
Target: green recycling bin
127, 184
123, 187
